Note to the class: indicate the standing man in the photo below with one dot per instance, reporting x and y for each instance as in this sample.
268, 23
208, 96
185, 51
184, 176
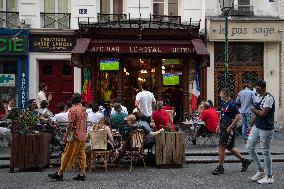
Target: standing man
75, 140
41, 96
262, 131
230, 116
245, 99
144, 103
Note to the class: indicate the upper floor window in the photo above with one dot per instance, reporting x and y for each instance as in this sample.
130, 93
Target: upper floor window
111, 7
56, 14
165, 7
9, 16
9, 5
56, 6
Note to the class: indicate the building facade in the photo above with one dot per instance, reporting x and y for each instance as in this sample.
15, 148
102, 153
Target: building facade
256, 33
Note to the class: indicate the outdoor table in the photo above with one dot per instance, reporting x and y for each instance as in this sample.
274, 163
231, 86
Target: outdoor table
189, 126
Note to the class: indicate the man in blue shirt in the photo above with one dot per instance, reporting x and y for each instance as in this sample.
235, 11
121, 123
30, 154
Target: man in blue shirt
230, 116
245, 99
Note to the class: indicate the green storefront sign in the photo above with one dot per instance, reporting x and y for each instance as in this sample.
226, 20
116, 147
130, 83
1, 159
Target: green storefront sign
10, 45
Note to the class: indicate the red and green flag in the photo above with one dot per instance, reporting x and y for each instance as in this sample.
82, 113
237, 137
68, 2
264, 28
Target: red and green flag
87, 89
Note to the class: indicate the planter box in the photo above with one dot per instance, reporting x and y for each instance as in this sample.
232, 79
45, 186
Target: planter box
170, 149
29, 151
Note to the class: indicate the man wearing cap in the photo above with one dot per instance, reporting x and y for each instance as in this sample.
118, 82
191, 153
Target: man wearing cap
263, 125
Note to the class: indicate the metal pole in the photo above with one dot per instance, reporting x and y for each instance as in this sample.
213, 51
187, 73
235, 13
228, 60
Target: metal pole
226, 51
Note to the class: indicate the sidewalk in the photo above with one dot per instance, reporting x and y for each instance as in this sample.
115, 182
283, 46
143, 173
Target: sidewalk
199, 153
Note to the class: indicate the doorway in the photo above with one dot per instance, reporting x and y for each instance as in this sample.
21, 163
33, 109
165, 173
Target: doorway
59, 77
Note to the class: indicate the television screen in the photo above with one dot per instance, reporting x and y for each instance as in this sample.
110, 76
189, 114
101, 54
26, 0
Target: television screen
109, 64
170, 79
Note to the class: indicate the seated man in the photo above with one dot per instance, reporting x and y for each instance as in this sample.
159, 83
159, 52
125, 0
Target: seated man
161, 117
123, 108
133, 125
117, 120
61, 117
211, 119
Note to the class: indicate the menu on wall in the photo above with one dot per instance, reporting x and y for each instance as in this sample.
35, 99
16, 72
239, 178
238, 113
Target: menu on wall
52, 43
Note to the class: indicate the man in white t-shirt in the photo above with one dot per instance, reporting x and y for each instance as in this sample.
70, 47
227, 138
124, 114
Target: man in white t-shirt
61, 117
94, 117
41, 96
144, 103
123, 108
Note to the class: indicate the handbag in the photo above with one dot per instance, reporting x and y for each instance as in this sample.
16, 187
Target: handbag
70, 136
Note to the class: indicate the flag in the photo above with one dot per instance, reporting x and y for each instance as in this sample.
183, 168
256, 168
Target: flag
195, 91
87, 89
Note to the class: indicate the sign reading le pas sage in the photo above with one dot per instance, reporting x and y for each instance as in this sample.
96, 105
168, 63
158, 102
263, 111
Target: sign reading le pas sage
52, 43
257, 31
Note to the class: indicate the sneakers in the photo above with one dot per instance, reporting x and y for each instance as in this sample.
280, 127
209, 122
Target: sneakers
245, 164
56, 176
266, 180
80, 178
219, 170
259, 175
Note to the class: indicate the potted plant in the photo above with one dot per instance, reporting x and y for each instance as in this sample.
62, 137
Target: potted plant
170, 148
30, 143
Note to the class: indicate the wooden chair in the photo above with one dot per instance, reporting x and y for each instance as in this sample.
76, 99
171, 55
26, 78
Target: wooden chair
99, 149
136, 151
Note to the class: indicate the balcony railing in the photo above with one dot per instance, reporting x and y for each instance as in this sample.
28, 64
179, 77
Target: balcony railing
176, 19
9, 19
125, 21
111, 17
242, 10
55, 20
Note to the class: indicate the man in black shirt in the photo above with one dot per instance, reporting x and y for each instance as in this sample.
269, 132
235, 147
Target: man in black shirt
230, 116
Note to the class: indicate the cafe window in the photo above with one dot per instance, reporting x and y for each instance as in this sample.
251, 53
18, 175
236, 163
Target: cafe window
55, 20
165, 7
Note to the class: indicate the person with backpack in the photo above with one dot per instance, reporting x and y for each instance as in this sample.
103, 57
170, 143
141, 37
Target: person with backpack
262, 130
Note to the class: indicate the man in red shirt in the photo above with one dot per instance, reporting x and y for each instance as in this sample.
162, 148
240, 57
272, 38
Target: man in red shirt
211, 119
161, 117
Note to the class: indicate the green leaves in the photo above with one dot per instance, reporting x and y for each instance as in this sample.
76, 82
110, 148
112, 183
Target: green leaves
24, 123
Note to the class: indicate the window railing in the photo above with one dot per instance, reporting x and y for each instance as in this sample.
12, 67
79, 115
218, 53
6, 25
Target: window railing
242, 10
9, 19
55, 20
176, 19
111, 17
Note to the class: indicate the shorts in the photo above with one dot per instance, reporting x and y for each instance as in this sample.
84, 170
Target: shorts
226, 139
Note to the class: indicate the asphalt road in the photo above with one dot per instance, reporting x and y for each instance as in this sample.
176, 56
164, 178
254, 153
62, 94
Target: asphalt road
191, 176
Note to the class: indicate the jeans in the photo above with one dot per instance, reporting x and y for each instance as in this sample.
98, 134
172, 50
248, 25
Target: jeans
265, 138
246, 119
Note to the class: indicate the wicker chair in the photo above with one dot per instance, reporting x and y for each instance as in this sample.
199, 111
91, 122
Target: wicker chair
136, 147
99, 150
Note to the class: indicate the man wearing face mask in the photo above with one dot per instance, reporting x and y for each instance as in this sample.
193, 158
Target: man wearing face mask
262, 131
230, 116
